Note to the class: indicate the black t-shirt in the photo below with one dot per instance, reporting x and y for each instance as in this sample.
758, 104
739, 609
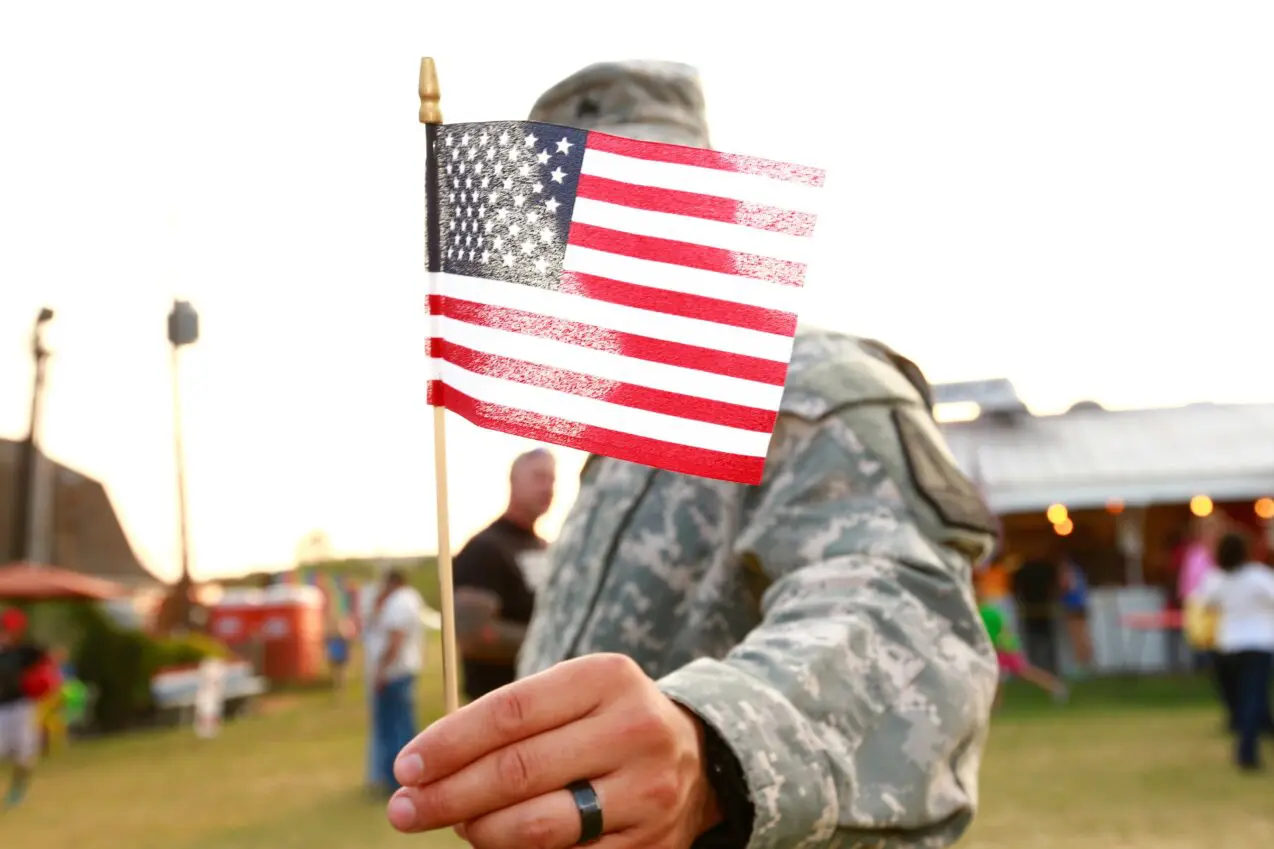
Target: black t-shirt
14, 663
490, 561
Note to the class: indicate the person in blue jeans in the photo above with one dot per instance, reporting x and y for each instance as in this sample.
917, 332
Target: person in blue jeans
395, 708
395, 631
1241, 590
1074, 603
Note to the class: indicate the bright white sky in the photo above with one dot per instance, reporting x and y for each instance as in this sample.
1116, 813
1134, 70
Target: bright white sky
1072, 195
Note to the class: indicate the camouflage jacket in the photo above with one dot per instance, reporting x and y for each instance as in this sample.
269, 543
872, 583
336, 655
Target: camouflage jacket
822, 623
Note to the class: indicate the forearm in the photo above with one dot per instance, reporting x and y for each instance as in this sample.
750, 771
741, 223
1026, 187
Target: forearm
390, 653
856, 711
497, 640
482, 634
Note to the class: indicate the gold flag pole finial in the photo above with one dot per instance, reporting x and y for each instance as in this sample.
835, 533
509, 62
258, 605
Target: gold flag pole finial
430, 93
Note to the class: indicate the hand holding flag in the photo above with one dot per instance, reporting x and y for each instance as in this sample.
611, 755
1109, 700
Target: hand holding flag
495, 770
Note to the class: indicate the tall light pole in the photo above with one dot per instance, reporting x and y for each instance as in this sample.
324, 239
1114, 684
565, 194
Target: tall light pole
24, 497
183, 329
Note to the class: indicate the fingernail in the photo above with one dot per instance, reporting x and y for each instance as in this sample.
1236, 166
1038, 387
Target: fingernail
408, 769
401, 811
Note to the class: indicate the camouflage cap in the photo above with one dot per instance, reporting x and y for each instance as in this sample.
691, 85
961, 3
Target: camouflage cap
648, 100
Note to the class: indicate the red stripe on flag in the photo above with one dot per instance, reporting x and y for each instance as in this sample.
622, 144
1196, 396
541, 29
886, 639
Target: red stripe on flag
684, 459
699, 158
687, 254
709, 207
618, 392
612, 341
698, 307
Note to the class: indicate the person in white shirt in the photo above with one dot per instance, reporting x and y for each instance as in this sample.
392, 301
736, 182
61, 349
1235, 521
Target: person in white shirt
393, 633
1242, 592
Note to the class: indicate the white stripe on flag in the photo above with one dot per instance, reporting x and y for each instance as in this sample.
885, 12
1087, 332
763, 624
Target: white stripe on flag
590, 411
699, 231
679, 278
656, 325
607, 365
750, 188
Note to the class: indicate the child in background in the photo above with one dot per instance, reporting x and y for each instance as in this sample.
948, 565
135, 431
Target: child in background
27, 675
1074, 587
1012, 660
52, 710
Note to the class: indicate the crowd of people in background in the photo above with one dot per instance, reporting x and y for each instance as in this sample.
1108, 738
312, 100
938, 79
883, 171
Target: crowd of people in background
1221, 593
1033, 592
1224, 594
495, 575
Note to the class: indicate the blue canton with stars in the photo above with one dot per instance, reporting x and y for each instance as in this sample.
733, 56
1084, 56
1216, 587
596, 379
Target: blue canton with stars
506, 194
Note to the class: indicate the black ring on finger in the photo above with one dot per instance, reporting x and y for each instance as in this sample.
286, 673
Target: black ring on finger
590, 811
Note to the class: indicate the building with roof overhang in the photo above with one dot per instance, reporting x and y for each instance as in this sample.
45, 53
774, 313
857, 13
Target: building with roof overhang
1114, 486
75, 525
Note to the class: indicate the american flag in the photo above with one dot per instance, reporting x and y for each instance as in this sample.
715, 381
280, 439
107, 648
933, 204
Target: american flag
620, 297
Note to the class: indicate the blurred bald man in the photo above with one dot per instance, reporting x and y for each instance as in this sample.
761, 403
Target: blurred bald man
496, 574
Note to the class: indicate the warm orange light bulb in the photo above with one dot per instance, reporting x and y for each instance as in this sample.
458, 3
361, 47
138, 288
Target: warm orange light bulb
1264, 508
1063, 528
1201, 506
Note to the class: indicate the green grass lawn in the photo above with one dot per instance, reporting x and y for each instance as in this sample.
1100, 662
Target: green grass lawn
1126, 764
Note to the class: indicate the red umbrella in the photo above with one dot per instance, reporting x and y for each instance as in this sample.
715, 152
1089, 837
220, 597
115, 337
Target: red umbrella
32, 582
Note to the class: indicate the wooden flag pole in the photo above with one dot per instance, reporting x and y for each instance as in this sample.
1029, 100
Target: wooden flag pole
431, 116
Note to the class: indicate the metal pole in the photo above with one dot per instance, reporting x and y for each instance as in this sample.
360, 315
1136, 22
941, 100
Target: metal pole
28, 457
1130, 540
183, 329
185, 583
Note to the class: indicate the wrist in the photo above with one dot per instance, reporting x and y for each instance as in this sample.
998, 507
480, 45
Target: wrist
727, 813
705, 807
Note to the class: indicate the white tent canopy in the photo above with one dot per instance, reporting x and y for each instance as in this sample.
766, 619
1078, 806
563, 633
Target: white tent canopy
1088, 457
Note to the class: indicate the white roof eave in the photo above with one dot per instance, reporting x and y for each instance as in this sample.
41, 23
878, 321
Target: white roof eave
1097, 494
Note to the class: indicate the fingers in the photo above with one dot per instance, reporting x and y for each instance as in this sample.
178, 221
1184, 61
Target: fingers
550, 821
524, 770
559, 695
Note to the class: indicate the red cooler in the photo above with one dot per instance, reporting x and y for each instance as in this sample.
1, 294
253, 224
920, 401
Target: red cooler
292, 631
236, 618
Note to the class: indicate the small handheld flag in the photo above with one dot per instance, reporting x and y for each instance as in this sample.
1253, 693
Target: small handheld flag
620, 297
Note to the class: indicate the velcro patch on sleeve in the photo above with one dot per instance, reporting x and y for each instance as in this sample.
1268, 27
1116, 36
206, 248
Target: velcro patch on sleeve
939, 481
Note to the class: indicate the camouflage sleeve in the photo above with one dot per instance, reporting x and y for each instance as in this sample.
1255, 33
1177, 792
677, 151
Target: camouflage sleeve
859, 707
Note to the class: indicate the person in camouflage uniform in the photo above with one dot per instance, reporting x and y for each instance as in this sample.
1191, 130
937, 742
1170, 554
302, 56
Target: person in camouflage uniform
795, 664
